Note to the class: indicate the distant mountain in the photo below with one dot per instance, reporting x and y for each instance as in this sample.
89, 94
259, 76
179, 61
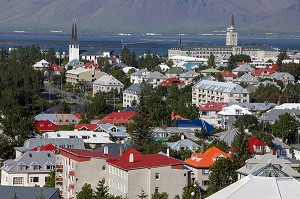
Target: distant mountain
159, 16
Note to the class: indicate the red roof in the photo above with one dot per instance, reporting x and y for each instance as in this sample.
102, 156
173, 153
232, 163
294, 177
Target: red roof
87, 153
143, 161
90, 65
177, 117
260, 71
213, 106
47, 147
228, 74
77, 115
171, 81
88, 127
46, 125
118, 118
254, 142
206, 159
56, 68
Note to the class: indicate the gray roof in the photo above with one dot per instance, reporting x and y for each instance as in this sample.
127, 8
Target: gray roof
156, 75
142, 72
190, 73
273, 114
8, 192
109, 128
176, 70
186, 143
210, 70
28, 159
227, 136
281, 75
92, 53
254, 164
208, 77
247, 78
108, 80
278, 144
220, 87
243, 68
113, 148
76, 143
255, 106
134, 88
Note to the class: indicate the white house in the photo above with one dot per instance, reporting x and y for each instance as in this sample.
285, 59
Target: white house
107, 83
138, 76
41, 65
131, 94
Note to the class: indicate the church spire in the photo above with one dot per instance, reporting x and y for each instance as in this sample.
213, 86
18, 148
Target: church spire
232, 20
74, 40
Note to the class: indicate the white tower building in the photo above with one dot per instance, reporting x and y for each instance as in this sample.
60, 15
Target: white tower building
74, 45
231, 35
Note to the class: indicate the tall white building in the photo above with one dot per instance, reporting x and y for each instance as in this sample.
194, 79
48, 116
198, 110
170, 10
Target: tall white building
231, 35
74, 45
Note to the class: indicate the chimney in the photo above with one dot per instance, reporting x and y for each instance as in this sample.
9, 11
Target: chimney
202, 148
131, 158
121, 149
105, 150
168, 152
182, 137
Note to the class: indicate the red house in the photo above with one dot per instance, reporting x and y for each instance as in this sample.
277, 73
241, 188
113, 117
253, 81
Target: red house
46, 125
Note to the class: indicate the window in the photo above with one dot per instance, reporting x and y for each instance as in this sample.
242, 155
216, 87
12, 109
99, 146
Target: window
34, 179
205, 171
156, 189
85, 137
103, 180
49, 167
157, 176
17, 180
103, 167
94, 135
22, 168
36, 167
72, 136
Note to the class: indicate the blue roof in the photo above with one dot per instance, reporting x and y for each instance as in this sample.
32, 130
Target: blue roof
189, 65
195, 124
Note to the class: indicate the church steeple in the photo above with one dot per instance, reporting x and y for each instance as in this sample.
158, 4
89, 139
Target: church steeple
74, 40
232, 20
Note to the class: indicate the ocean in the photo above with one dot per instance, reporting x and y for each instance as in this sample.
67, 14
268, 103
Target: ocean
139, 43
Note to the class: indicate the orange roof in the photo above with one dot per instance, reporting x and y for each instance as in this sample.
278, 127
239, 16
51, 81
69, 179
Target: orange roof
206, 159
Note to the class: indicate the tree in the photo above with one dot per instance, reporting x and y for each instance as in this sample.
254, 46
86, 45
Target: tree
220, 144
268, 93
188, 190
211, 61
64, 108
281, 56
143, 195
291, 94
50, 182
222, 174
141, 131
98, 105
101, 191
163, 195
293, 69
240, 145
86, 192
286, 127
238, 58
50, 56
246, 122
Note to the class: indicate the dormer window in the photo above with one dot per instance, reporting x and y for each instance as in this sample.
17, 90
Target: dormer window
36, 167
22, 167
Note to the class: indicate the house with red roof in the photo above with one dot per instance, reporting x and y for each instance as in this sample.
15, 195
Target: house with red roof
91, 65
263, 72
56, 69
75, 167
257, 147
228, 76
171, 81
118, 118
134, 172
200, 164
208, 111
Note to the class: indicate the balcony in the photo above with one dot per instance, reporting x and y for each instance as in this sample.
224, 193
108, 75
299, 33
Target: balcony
71, 173
71, 186
59, 166
59, 179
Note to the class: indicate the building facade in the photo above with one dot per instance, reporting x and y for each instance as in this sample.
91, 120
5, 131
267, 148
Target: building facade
213, 91
74, 45
107, 83
131, 94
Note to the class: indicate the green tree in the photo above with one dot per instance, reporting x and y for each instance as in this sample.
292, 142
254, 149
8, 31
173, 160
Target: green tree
101, 191
132, 70
238, 58
143, 195
222, 174
50, 182
281, 56
286, 127
246, 122
141, 131
98, 105
268, 93
126, 56
190, 192
51, 56
292, 68
64, 107
163, 195
291, 94
220, 144
211, 61
240, 145
86, 192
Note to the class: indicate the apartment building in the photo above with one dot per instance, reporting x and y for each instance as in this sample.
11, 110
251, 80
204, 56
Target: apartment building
77, 75
131, 94
135, 172
214, 91
75, 167
209, 111
138, 76
200, 164
107, 83
30, 169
